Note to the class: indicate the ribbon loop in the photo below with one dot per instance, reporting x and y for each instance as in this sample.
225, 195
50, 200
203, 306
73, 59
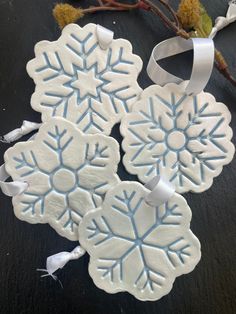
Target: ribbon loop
10, 188
203, 61
105, 36
26, 128
203, 51
161, 191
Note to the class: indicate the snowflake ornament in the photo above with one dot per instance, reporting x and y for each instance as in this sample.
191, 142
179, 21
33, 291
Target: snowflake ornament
68, 173
83, 83
184, 138
138, 248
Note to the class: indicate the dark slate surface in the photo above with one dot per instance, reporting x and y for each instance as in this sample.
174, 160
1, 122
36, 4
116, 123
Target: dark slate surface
211, 287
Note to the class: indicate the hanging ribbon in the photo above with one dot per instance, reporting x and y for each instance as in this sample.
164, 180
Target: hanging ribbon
161, 191
203, 60
16, 187
105, 37
10, 188
203, 56
221, 21
26, 128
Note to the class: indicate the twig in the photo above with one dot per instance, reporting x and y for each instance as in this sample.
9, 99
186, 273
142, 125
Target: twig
123, 5
174, 25
172, 12
171, 22
222, 67
103, 8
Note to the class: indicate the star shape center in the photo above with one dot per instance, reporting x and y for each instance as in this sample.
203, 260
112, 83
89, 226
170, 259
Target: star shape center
87, 83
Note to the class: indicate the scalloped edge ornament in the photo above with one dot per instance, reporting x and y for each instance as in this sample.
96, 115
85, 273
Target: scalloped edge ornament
163, 132
76, 79
138, 248
68, 173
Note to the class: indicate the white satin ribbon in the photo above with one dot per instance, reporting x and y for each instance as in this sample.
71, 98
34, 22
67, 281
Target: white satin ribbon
59, 260
10, 188
161, 191
16, 187
26, 128
221, 21
203, 60
105, 36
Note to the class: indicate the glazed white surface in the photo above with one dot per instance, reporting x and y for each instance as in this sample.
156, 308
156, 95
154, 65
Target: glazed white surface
187, 139
67, 173
77, 80
138, 248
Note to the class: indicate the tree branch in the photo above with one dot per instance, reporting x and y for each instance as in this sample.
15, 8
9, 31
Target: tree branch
66, 14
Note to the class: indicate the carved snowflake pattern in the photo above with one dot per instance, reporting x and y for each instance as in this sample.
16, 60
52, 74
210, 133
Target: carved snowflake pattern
79, 81
68, 173
138, 248
184, 138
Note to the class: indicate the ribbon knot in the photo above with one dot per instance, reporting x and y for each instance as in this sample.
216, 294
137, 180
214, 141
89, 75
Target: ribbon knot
26, 128
221, 21
59, 260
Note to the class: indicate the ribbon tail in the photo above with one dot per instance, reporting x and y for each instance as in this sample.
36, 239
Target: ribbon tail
54, 277
59, 260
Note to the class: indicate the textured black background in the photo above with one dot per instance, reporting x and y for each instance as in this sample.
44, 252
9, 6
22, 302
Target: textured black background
211, 287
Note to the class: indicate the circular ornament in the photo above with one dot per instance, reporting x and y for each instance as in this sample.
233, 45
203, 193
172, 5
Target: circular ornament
78, 80
138, 248
183, 138
67, 173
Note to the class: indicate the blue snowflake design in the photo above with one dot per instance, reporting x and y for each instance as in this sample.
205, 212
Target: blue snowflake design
85, 96
186, 145
134, 241
64, 181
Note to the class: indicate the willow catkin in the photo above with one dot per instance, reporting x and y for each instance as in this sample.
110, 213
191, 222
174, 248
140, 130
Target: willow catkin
65, 14
189, 13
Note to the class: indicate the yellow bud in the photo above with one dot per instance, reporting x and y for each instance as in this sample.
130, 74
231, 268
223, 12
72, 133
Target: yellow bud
65, 14
189, 13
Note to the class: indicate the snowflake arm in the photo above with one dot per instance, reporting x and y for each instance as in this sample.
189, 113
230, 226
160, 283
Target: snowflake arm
135, 247
27, 165
79, 81
185, 138
32, 201
68, 174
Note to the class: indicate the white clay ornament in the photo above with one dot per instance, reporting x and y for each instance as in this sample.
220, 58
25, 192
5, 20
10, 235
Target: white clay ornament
136, 247
86, 82
187, 139
67, 173
79, 80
